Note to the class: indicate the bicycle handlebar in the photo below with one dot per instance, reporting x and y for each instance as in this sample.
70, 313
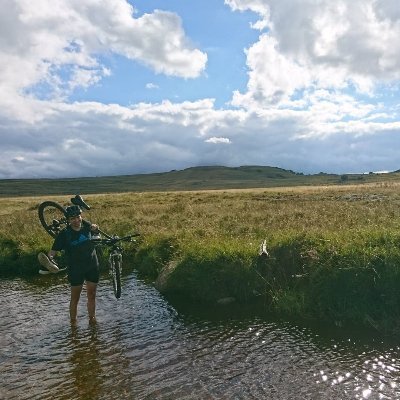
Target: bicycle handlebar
104, 233
110, 240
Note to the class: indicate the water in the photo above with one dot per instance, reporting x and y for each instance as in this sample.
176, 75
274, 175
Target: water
145, 348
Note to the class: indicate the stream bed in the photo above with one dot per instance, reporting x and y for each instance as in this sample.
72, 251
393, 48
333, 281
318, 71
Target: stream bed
145, 347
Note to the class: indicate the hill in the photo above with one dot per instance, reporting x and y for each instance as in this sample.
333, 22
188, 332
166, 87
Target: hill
195, 178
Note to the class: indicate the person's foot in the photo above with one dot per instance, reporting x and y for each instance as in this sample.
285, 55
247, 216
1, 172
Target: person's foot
92, 320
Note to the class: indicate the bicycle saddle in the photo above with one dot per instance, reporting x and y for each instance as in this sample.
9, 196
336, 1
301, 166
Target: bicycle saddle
78, 201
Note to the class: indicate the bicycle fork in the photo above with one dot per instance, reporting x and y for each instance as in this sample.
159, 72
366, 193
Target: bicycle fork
115, 261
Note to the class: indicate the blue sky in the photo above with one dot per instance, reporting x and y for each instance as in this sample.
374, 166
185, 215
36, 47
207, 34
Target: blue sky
96, 87
224, 43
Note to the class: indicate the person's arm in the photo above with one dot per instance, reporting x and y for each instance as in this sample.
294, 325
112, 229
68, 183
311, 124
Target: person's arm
92, 227
58, 245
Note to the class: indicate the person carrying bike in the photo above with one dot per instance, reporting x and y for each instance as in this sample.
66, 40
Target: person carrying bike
81, 257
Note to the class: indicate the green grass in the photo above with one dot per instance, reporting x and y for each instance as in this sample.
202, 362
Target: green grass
334, 250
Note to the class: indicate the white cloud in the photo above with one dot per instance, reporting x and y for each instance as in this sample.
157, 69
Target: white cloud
272, 77
90, 139
260, 7
328, 44
151, 86
216, 140
57, 43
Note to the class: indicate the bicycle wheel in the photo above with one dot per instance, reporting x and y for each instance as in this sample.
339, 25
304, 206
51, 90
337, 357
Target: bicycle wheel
115, 271
51, 216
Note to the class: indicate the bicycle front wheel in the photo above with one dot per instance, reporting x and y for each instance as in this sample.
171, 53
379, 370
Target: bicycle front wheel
51, 216
115, 270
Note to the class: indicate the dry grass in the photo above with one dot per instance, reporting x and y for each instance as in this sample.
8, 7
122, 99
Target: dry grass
345, 239
246, 215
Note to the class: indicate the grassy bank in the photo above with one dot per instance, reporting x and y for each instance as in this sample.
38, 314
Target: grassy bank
334, 251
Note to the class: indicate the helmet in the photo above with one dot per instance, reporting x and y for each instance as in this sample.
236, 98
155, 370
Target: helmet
72, 211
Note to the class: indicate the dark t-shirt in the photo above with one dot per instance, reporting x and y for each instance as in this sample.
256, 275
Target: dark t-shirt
79, 250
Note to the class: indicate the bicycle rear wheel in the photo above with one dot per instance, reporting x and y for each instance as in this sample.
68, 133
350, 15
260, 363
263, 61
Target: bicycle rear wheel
51, 216
115, 271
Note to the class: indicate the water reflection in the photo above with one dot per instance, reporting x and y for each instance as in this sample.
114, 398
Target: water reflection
144, 347
84, 359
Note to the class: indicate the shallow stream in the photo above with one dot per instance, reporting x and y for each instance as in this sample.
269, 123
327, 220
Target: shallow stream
143, 347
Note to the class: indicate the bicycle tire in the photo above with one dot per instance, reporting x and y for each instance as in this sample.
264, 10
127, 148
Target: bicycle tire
50, 210
115, 269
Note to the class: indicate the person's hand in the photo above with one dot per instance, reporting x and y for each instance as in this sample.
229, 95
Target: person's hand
94, 228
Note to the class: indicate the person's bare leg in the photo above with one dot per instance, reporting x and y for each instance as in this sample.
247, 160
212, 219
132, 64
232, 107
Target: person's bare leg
91, 300
73, 304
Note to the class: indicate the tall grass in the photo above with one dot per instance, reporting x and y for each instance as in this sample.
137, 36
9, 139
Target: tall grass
334, 251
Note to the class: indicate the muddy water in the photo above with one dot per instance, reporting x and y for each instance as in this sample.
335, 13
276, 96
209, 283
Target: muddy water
142, 347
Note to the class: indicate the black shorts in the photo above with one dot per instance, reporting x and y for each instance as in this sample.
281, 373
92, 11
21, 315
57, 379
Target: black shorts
76, 276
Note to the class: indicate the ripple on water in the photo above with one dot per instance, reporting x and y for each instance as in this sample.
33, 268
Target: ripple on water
144, 348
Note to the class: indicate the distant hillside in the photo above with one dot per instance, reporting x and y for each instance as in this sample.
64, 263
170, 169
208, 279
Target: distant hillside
195, 178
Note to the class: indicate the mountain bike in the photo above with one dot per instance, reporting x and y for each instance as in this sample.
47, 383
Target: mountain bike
52, 217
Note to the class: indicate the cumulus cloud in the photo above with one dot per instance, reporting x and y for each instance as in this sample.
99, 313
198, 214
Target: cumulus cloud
56, 45
320, 44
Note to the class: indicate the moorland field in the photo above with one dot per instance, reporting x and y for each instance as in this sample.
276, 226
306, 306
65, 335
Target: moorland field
333, 241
